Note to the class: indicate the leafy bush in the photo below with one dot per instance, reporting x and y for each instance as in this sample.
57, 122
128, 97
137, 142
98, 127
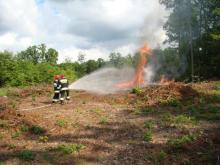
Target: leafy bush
136, 90
35, 129
26, 155
70, 148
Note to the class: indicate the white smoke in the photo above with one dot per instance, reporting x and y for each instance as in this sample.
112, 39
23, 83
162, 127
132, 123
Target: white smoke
105, 80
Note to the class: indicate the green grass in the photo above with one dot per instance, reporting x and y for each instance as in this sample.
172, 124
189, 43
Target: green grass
16, 135
61, 123
149, 124
70, 148
3, 92
24, 128
177, 121
1, 136
210, 112
1, 163
43, 139
148, 136
4, 124
11, 146
144, 111
179, 142
137, 91
216, 86
98, 111
162, 156
37, 130
174, 103
26, 155
103, 120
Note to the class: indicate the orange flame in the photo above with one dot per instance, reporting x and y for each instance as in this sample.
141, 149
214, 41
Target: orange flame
138, 78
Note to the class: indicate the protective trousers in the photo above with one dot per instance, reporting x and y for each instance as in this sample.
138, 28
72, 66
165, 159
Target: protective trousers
64, 94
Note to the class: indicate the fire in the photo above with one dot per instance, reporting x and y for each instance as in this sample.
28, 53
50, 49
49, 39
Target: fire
138, 78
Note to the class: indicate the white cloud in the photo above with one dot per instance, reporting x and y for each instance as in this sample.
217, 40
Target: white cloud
95, 27
11, 42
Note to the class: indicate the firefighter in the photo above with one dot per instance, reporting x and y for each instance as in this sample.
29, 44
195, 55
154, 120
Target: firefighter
56, 86
64, 90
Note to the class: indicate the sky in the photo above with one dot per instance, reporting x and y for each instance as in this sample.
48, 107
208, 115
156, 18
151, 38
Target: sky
91, 27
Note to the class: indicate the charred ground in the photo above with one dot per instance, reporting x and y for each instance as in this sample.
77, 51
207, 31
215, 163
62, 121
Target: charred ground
170, 124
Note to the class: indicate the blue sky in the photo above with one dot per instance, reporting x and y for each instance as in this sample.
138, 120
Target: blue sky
92, 27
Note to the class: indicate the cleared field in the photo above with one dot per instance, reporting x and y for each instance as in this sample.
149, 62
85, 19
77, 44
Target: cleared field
170, 124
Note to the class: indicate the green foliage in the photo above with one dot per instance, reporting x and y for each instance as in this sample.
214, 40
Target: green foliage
16, 135
39, 54
162, 156
35, 129
216, 86
136, 90
179, 142
70, 148
26, 155
195, 22
61, 123
169, 120
3, 92
24, 128
43, 139
209, 112
148, 136
149, 124
147, 110
11, 146
104, 120
4, 123
1, 136
1, 163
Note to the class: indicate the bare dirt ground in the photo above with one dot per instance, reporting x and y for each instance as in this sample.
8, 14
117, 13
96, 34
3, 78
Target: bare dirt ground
169, 124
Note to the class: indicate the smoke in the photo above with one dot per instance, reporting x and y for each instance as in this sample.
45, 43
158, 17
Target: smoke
104, 81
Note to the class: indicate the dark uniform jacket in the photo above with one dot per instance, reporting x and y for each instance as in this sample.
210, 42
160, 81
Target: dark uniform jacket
56, 86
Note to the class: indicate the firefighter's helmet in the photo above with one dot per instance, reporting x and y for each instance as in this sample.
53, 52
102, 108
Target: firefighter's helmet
56, 77
62, 76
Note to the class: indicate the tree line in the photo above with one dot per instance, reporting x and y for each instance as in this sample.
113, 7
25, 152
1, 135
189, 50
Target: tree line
38, 64
193, 28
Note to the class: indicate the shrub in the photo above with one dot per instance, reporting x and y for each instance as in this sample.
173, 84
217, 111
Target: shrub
136, 90
26, 155
148, 136
35, 129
